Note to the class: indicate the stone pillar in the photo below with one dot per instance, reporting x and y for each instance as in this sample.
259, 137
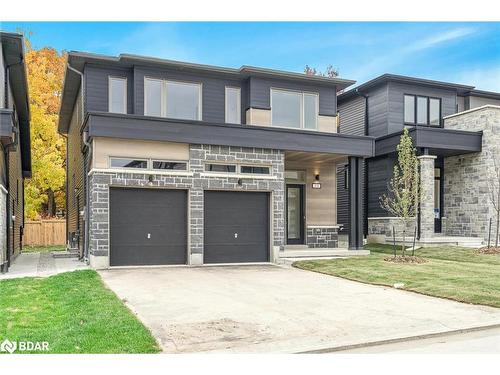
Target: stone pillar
426, 196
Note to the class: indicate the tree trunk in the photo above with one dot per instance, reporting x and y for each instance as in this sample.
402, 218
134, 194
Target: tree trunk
498, 227
404, 241
51, 203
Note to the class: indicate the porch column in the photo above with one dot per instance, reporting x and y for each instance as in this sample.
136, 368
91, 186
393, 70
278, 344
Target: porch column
355, 204
426, 195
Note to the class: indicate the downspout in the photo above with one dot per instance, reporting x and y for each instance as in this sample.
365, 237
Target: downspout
87, 145
365, 177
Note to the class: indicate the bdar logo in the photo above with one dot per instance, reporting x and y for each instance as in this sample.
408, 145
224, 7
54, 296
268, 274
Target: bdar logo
8, 346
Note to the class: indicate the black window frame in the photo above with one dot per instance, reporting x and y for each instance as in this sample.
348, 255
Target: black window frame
130, 159
232, 166
254, 167
427, 123
169, 162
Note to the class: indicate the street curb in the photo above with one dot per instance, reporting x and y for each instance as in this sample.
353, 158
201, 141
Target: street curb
399, 340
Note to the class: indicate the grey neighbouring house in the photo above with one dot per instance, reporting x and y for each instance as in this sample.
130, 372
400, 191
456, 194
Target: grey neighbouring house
180, 163
456, 130
15, 154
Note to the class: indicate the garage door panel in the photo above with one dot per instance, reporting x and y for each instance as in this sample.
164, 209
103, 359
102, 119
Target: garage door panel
148, 226
236, 227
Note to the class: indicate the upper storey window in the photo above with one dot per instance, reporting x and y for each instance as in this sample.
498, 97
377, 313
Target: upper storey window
117, 95
233, 105
294, 109
422, 110
180, 100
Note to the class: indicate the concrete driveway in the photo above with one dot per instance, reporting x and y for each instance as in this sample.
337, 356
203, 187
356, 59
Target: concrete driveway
261, 309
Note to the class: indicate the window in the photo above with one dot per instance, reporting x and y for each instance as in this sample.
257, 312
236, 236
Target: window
183, 100
254, 169
233, 105
434, 111
421, 110
169, 165
128, 163
117, 95
223, 168
152, 97
294, 109
409, 109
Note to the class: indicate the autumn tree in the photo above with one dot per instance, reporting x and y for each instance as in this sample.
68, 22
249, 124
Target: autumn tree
402, 199
330, 72
44, 192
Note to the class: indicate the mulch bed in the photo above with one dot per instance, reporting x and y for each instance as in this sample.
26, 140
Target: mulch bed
405, 259
486, 250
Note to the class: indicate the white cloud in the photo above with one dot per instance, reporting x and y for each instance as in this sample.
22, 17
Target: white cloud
436, 39
483, 78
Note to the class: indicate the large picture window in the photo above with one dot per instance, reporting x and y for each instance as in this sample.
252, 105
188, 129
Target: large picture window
293, 109
179, 100
422, 110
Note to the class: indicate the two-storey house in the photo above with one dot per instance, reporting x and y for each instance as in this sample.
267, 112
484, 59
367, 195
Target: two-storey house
15, 155
180, 163
455, 129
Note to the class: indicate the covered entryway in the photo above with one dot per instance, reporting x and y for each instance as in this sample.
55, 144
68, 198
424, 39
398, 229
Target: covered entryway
147, 226
236, 227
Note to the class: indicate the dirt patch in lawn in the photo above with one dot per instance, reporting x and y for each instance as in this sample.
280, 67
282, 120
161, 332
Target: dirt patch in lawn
405, 259
488, 250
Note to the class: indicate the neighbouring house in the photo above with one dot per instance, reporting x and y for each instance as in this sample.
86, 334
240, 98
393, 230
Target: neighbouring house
456, 130
15, 154
181, 163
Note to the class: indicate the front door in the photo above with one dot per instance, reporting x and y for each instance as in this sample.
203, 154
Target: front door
295, 214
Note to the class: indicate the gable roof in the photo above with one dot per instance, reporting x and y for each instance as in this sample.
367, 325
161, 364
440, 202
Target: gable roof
78, 60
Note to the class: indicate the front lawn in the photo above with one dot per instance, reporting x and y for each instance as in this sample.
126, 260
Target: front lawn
74, 312
450, 272
43, 249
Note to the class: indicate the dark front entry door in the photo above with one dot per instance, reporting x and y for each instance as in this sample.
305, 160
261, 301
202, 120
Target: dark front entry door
236, 227
147, 227
295, 214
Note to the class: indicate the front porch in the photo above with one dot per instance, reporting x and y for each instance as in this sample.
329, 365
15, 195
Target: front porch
321, 196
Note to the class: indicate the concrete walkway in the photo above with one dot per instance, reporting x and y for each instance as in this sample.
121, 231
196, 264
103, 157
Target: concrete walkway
40, 265
272, 309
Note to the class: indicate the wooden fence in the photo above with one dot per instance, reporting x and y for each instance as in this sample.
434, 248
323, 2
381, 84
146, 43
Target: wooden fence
45, 232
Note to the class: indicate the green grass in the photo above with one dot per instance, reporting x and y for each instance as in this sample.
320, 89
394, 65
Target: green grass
74, 312
43, 249
450, 272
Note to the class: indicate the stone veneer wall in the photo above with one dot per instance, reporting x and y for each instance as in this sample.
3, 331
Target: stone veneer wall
322, 236
196, 181
466, 204
382, 226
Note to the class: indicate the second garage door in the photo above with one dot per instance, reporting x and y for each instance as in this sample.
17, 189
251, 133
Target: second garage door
147, 227
236, 227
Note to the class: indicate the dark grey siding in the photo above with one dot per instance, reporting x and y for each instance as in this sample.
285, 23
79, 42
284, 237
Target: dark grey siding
396, 102
352, 116
96, 87
377, 111
213, 87
260, 90
379, 175
75, 176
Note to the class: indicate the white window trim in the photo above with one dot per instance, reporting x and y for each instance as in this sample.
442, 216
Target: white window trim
128, 158
238, 89
302, 112
110, 78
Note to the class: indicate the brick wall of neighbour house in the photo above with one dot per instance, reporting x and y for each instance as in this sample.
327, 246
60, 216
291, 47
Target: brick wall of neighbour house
16, 203
3, 227
467, 207
196, 182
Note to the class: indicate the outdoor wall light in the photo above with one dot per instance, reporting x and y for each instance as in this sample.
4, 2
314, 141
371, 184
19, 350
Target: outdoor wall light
240, 182
150, 180
316, 177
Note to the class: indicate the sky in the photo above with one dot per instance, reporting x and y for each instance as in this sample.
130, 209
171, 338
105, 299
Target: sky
467, 53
